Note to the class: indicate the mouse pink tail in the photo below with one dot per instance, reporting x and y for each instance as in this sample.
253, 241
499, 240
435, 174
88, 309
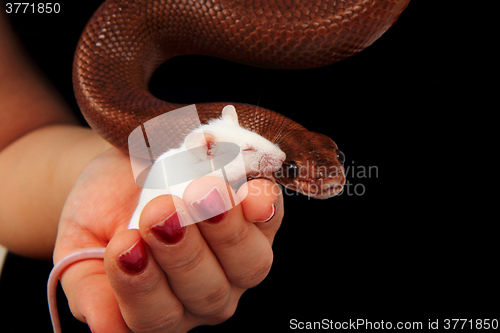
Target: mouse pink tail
92, 253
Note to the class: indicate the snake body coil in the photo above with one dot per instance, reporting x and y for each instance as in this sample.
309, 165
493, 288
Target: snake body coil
125, 41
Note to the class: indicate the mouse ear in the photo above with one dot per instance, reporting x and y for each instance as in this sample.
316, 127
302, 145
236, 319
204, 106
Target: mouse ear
229, 113
200, 144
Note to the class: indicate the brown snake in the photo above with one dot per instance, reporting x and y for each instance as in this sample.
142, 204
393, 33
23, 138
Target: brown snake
125, 41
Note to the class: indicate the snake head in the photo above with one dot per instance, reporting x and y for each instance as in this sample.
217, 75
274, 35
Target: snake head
314, 167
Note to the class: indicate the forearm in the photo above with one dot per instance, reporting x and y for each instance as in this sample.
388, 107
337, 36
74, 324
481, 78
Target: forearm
27, 100
39, 160
37, 172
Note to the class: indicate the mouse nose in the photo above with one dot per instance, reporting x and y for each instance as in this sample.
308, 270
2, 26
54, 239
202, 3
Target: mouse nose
270, 162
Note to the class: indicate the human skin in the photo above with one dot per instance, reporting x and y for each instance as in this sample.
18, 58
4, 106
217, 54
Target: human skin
191, 280
42, 151
58, 175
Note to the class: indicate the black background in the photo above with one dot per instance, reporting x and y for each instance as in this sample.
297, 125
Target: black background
395, 246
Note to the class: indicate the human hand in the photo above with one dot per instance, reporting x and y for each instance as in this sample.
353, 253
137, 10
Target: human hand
147, 284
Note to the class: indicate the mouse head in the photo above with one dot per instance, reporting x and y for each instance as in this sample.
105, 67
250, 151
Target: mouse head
261, 157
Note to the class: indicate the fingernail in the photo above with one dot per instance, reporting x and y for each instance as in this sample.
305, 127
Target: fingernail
135, 259
271, 216
169, 231
210, 206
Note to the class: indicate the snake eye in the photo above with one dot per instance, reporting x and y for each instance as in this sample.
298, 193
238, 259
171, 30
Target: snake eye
340, 156
292, 170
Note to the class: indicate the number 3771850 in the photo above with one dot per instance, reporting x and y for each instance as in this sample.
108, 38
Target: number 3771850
471, 324
34, 8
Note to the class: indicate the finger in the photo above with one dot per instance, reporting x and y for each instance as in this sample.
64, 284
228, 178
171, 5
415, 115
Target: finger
96, 303
262, 203
192, 269
241, 248
90, 296
146, 301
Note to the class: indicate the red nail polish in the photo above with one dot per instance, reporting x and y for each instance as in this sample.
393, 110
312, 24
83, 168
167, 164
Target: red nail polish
135, 259
211, 207
169, 231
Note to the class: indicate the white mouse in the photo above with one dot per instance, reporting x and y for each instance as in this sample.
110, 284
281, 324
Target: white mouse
256, 156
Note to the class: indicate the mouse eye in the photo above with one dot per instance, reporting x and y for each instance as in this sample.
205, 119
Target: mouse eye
291, 170
340, 156
211, 148
248, 149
